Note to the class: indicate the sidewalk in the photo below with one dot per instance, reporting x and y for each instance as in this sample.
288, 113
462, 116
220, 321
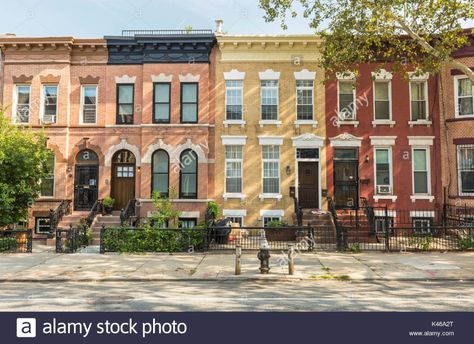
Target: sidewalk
48, 266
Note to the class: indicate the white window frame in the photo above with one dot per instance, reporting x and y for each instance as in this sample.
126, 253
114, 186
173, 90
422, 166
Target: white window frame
15, 104
427, 106
270, 218
37, 220
390, 161
270, 88
234, 121
428, 170
271, 194
241, 161
43, 101
81, 111
456, 98
388, 121
305, 121
354, 102
458, 153
235, 213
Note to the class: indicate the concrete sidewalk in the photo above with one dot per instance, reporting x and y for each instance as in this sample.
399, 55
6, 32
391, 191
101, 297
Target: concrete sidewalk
48, 266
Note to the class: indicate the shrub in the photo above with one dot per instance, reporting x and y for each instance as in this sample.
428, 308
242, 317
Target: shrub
466, 243
8, 244
108, 202
276, 224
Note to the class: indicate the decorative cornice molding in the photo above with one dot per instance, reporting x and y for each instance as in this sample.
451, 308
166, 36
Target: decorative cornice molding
346, 140
270, 140
122, 145
189, 78
305, 74
162, 77
348, 75
308, 140
382, 140
269, 74
417, 76
125, 79
233, 140
22, 79
382, 75
50, 79
89, 79
420, 140
234, 74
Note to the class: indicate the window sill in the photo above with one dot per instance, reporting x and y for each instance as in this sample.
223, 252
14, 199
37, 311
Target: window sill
300, 122
385, 197
353, 123
263, 122
421, 197
228, 122
233, 195
270, 196
420, 122
383, 122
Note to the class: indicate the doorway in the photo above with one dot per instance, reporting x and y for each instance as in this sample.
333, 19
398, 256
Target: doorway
123, 178
86, 180
346, 178
308, 181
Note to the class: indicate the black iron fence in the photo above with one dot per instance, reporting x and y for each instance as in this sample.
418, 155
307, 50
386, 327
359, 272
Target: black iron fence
16, 241
132, 239
71, 239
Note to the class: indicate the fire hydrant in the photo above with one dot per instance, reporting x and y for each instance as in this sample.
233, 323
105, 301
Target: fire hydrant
264, 255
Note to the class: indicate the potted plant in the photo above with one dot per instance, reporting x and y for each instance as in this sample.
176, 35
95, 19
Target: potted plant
108, 204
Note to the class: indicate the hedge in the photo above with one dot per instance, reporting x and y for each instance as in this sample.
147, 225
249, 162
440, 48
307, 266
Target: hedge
8, 244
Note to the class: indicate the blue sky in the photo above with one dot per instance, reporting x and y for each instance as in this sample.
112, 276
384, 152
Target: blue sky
96, 18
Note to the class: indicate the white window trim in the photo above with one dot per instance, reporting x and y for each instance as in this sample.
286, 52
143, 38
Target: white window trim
305, 121
272, 212
390, 161
226, 121
229, 140
43, 101
382, 141
269, 74
190, 214
420, 140
381, 213
421, 196
353, 121
305, 74
273, 195
277, 102
81, 115
390, 120
460, 193
270, 140
125, 79
456, 100
308, 140
427, 120
15, 104
300, 122
234, 212
239, 195
422, 213
263, 122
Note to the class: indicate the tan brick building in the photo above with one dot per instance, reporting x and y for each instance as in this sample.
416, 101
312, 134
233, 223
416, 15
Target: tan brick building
270, 127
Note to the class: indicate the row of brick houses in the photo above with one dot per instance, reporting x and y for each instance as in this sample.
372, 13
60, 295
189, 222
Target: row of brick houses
245, 121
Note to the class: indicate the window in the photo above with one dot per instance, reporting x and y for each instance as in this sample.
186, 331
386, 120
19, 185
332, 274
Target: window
50, 103
346, 97
307, 153
383, 174
304, 99
236, 219
382, 100
22, 104
466, 170
187, 222
189, 102
381, 224
268, 219
269, 99
47, 183
125, 171
421, 225
233, 169
125, 103
188, 174
420, 171
161, 102
160, 168
234, 100
89, 104
464, 97
418, 100
271, 169
42, 225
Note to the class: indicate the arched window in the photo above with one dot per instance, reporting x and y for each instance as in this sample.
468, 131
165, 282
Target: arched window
160, 171
188, 174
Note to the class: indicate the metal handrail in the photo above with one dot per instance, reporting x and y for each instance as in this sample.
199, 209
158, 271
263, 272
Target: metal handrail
56, 215
129, 211
96, 209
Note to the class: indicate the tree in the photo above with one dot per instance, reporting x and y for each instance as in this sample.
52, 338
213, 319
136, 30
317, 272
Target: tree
420, 34
165, 215
23, 163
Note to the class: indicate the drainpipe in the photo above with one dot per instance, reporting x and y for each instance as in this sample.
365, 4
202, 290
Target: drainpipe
1, 78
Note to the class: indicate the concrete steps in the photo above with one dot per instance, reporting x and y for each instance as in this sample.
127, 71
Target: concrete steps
106, 220
321, 221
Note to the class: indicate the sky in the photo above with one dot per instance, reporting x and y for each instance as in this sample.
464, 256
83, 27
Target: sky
98, 18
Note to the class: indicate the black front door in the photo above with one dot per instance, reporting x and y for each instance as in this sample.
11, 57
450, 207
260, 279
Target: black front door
86, 181
346, 179
308, 180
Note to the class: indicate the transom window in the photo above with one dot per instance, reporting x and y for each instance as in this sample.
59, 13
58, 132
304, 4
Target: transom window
269, 99
304, 99
271, 169
234, 99
233, 169
161, 100
189, 102
382, 100
465, 170
420, 171
188, 174
125, 103
50, 106
418, 101
307, 153
87, 156
465, 97
124, 157
22, 103
125, 171
160, 168
346, 101
89, 104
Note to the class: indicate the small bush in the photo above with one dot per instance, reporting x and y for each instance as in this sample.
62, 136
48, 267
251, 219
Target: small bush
8, 244
466, 243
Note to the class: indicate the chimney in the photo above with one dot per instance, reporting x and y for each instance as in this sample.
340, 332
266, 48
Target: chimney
219, 23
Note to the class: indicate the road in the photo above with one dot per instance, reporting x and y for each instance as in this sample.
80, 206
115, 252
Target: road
239, 296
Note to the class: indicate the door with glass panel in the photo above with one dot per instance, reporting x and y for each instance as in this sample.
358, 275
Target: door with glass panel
123, 178
346, 178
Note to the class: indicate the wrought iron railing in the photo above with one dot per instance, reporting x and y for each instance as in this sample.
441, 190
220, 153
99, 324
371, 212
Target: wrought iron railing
97, 208
128, 216
56, 215
131, 33
71, 239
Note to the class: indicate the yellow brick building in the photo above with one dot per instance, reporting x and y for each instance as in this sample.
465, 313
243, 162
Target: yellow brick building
270, 127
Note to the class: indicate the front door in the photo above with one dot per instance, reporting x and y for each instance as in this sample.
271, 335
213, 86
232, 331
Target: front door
308, 181
123, 179
86, 180
346, 179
